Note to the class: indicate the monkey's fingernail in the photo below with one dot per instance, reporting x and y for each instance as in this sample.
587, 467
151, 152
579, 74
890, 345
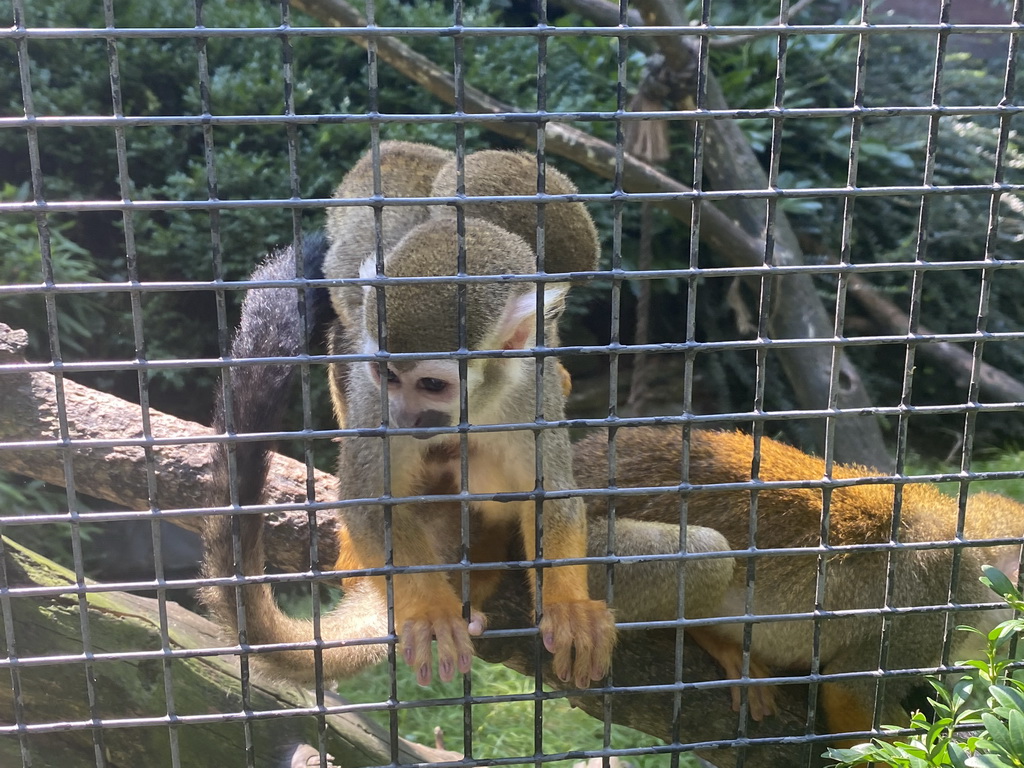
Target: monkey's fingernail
476, 628
465, 663
549, 644
423, 676
408, 653
445, 670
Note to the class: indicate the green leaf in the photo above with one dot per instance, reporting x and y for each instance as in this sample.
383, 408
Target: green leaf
1008, 697
988, 761
997, 732
997, 581
1016, 730
957, 756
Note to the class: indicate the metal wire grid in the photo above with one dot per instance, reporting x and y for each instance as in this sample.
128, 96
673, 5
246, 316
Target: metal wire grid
32, 123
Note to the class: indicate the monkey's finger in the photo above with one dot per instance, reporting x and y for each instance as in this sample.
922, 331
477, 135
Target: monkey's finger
419, 637
762, 701
465, 646
735, 689
477, 623
604, 636
583, 644
446, 649
407, 643
556, 629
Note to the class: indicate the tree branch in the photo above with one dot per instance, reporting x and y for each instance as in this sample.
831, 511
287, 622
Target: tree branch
130, 688
993, 383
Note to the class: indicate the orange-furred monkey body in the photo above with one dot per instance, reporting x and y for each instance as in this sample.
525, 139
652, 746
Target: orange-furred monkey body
859, 514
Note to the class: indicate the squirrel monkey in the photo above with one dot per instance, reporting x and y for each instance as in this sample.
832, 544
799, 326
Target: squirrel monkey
499, 315
854, 580
272, 326
421, 394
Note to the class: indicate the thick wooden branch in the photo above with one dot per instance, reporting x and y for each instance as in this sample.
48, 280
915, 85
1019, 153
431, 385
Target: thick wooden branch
737, 237
643, 658
32, 444
202, 692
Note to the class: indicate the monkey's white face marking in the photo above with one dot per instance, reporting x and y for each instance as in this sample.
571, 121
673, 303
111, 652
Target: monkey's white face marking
368, 271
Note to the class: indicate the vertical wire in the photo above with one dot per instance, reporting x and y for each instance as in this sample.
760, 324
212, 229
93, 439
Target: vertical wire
305, 315
52, 326
699, 131
10, 639
853, 159
373, 98
539, 364
906, 406
135, 296
461, 291
981, 323
763, 333
209, 156
621, 102
615, 327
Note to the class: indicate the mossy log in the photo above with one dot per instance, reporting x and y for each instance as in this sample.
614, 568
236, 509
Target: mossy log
148, 702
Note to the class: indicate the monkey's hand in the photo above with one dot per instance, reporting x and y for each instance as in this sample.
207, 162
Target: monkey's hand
581, 635
440, 620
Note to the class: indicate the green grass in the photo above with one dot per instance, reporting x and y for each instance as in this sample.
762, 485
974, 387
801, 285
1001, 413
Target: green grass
502, 729
1007, 461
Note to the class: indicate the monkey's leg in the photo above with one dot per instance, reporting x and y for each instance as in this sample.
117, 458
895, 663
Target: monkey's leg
578, 631
729, 655
647, 590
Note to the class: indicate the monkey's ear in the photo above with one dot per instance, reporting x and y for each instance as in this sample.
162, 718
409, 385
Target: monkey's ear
517, 328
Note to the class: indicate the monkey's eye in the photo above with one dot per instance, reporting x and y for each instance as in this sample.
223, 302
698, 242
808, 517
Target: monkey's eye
392, 377
430, 384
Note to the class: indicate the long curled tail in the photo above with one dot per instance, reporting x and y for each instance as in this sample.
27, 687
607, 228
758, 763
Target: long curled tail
272, 325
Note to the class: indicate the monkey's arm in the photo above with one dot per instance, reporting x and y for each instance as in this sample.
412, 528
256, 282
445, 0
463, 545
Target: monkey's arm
425, 603
271, 326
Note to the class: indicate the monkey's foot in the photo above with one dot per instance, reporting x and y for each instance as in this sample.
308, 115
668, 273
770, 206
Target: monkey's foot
729, 655
581, 635
454, 649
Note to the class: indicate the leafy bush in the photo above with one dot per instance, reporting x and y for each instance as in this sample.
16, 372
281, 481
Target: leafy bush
963, 733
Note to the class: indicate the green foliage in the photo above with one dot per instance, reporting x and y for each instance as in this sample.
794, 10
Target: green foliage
24, 496
160, 77
963, 733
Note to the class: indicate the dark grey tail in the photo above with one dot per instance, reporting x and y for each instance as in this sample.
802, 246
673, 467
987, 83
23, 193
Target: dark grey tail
271, 325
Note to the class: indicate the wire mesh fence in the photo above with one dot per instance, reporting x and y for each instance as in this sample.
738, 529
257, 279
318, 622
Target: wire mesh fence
732, 347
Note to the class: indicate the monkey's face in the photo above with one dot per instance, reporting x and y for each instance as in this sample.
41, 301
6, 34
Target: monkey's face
421, 394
